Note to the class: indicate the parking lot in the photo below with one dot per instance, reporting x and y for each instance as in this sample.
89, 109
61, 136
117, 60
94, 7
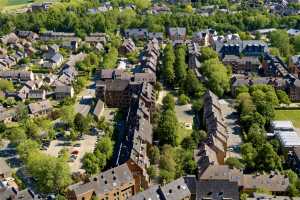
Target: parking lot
87, 144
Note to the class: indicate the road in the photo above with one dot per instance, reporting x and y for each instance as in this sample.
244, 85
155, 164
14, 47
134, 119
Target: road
234, 130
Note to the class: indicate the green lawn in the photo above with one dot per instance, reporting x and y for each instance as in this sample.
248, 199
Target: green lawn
183, 133
292, 115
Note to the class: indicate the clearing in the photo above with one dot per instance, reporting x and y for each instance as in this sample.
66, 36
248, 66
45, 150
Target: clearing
290, 115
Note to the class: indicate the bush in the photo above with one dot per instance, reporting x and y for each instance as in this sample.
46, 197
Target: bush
183, 99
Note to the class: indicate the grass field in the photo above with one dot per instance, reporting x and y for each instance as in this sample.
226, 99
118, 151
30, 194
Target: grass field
183, 133
292, 115
8, 5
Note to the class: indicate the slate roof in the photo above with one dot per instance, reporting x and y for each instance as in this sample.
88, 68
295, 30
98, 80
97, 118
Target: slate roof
39, 106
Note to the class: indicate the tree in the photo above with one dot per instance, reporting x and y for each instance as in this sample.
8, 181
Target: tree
280, 40
89, 163
152, 172
52, 174
267, 159
16, 135
297, 43
167, 128
197, 105
183, 99
154, 155
188, 143
283, 97
168, 102
218, 76
249, 154
6, 85
180, 65
256, 135
21, 112
142, 4
168, 72
81, 123
208, 53
234, 162
192, 86
199, 135
241, 89
188, 8
32, 129
110, 59
26, 147
67, 115
105, 146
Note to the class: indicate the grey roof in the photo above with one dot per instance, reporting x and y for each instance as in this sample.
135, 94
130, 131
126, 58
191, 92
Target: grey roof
4, 168
180, 31
105, 181
217, 189
63, 89
177, 189
56, 58
7, 113
98, 108
39, 106
150, 193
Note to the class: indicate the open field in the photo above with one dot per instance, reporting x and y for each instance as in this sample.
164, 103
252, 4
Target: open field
292, 115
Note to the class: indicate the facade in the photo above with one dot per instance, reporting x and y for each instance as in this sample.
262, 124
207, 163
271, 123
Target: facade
177, 33
242, 65
16, 75
127, 46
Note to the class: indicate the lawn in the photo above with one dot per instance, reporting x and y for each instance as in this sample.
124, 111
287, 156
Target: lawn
183, 133
291, 115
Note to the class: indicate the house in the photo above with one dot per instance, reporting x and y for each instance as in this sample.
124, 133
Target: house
177, 33
156, 35
277, 83
106, 6
215, 126
241, 47
28, 35
274, 66
40, 6
193, 55
5, 170
7, 115
115, 93
53, 57
51, 35
144, 77
115, 183
40, 108
137, 33
160, 9
274, 182
97, 40
17, 75
127, 46
37, 94
204, 37
10, 38
293, 32
99, 108
8, 192
113, 74
63, 91
241, 65
294, 65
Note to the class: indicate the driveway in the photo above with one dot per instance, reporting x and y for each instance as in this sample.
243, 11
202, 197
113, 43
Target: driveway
87, 145
234, 130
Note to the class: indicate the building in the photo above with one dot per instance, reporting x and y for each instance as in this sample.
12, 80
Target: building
127, 46
294, 159
179, 189
273, 182
137, 33
53, 57
98, 110
277, 83
115, 183
241, 47
215, 126
115, 93
40, 108
241, 65
37, 94
274, 66
193, 55
63, 91
5, 170
177, 33
7, 115
10, 38
16, 75
294, 65
28, 35
40, 6
113, 74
